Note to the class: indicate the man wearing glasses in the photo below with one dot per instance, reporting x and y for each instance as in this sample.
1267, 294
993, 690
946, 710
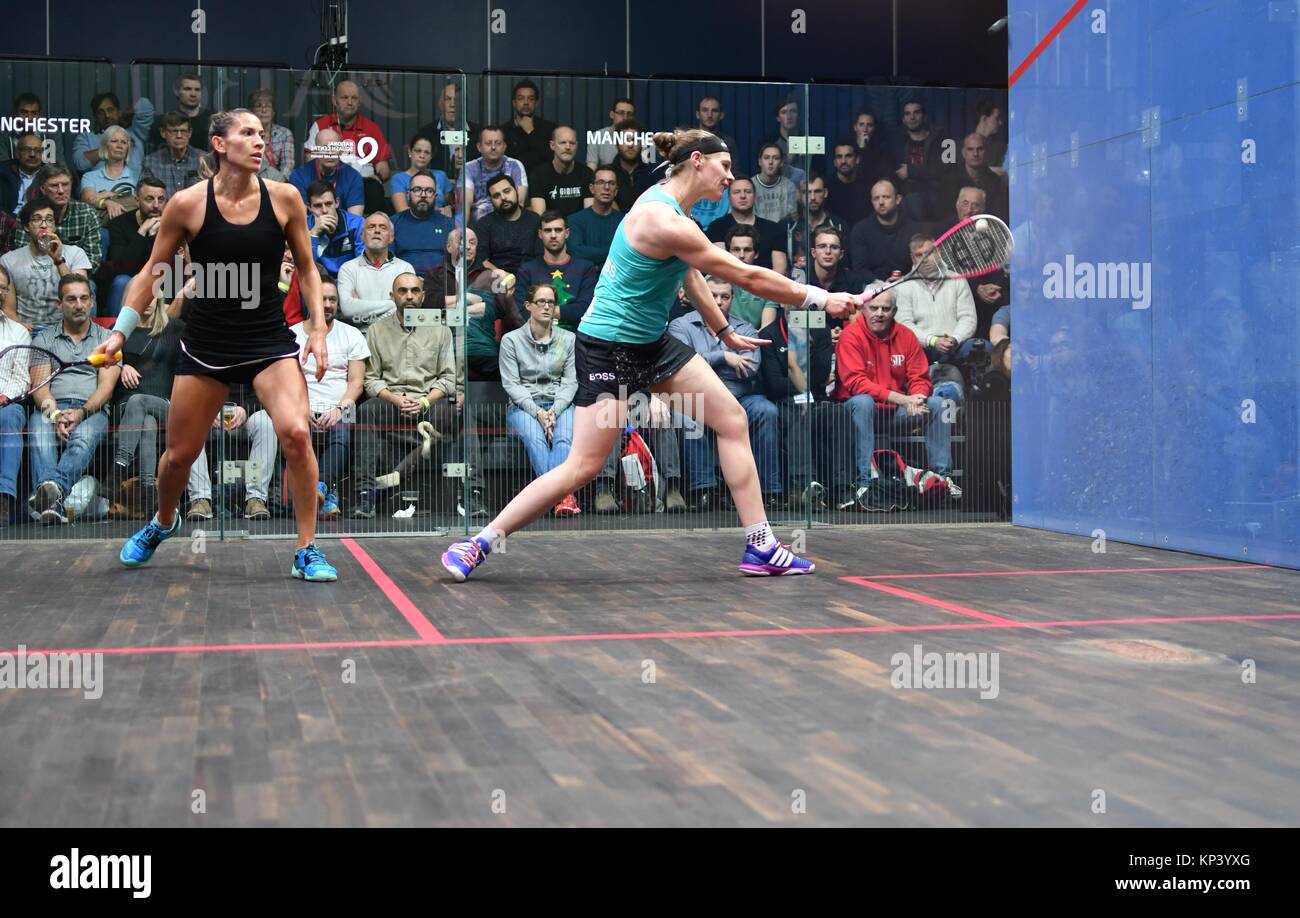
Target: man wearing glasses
420, 231
32, 297
591, 230
18, 174
177, 163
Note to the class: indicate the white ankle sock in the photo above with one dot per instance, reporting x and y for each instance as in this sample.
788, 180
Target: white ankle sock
490, 536
760, 536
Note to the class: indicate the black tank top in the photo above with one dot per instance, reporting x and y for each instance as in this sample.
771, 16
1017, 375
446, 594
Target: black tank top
223, 328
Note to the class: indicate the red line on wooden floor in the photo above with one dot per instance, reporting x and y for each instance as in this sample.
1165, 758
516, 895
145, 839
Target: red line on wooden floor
1110, 570
414, 617
929, 601
679, 635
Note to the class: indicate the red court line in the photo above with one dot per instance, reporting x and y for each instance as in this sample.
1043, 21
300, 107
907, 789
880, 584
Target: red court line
1113, 570
682, 635
414, 617
1047, 40
929, 601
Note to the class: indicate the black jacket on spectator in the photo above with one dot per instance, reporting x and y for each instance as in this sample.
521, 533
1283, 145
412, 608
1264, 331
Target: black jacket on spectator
631, 185
994, 186
922, 179
770, 236
506, 243
876, 161
774, 374
530, 149
852, 202
10, 181
876, 250
127, 252
444, 158
154, 358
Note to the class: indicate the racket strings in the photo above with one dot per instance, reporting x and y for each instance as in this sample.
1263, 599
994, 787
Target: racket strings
973, 251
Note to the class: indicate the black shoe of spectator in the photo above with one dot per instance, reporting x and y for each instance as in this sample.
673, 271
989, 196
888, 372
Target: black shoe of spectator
774, 501
877, 499
810, 498
54, 513
473, 509
704, 500
851, 501
46, 496
365, 506
6, 509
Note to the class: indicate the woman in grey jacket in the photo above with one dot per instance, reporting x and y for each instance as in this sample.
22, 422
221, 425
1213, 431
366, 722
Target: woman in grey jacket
539, 375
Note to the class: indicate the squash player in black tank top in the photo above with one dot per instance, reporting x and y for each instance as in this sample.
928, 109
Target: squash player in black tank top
235, 220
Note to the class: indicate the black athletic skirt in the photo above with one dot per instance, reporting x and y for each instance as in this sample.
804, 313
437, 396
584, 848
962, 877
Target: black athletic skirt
188, 364
617, 370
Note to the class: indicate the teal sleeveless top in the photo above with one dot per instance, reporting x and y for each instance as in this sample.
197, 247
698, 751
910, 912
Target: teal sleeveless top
635, 292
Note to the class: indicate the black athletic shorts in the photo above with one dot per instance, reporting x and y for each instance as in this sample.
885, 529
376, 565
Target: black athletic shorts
619, 370
239, 375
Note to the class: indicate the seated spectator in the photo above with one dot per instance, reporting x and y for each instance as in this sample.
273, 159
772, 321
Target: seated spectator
634, 173
975, 173
280, 154
332, 401
750, 308
878, 245
177, 163
798, 245
130, 242
919, 157
771, 241
8, 231
875, 161
352, 127
509, 235
492, 162
738, 370
709, 117
882, 374
323, 165
829, 270
990, 128
449, 119
111, 183
795, 374
27, 107
335, 235
18, 175
420, 153
77, 222
143, 400
420, 231
537, 371
266, 171
604, 151
939, 311
1000, 327
188, 90
787, 125
848, 193
410, 377
229, 424
107, 112
572, 280
774, 194
70, 407
37, 269
990, 291
591, 230
362, 280
527, 135
14, 381
561, 184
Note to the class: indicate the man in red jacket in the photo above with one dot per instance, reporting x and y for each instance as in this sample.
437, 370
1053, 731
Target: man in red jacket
882, 372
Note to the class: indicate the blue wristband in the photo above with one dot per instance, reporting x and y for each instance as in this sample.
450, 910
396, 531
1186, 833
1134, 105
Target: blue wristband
126, 322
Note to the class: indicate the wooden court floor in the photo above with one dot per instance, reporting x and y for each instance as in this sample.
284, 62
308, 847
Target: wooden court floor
624, 679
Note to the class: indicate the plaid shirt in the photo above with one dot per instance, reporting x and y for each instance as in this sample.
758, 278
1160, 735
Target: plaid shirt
281, 148
177, 176
8, 232
79, 227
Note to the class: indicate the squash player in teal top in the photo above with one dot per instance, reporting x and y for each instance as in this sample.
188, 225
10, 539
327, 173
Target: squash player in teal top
624, 347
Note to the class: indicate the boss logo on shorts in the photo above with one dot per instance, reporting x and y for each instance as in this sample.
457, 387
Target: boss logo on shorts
602, 377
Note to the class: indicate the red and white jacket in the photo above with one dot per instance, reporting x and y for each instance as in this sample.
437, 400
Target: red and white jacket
867, 365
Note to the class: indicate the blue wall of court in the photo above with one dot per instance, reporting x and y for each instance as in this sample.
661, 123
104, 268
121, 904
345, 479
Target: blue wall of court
1176, 425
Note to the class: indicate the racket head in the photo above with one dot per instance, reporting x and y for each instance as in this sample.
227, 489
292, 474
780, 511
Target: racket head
976, 246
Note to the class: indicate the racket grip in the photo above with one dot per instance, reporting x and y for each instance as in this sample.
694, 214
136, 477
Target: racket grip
97, 360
